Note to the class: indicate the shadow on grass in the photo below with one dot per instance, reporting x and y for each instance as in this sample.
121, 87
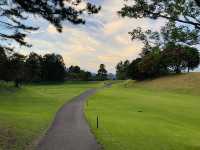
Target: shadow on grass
7, 87
61, 83
10, 86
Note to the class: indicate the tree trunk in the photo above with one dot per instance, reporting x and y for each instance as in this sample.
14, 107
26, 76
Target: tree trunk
188, 69
17, 83
178, 70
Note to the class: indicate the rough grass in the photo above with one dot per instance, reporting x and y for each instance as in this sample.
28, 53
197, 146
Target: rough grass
26, 113
183, 83
161, 114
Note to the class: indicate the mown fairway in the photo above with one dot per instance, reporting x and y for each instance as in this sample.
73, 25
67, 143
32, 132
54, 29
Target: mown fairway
163, 114
26, 113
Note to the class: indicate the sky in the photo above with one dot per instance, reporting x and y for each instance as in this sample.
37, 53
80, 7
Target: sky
103, 39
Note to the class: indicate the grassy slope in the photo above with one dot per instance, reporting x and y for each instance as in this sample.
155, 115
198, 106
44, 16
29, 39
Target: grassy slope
26, 113
162, 114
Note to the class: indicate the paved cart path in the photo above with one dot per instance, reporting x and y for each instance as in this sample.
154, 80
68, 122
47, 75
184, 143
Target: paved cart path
70, 130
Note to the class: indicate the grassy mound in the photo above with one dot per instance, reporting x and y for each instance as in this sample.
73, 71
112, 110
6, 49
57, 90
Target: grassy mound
184, 83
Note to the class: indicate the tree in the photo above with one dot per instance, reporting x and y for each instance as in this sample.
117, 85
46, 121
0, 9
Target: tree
85, 75
76, 73
197, 2
3, 60
182, 11
172, 59
173, 41
182, 28
73, 73
74, 69
33, 67
53, 68
102, 72
152, 65
179, 34
178, 57
170, 33
15, 68
121, 70
14, 13
134, 69
192, 58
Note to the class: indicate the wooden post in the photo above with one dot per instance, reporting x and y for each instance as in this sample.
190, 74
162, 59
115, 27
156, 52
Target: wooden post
97, 121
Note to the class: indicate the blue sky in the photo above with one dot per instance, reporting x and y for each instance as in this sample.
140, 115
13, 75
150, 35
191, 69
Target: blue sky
103, 39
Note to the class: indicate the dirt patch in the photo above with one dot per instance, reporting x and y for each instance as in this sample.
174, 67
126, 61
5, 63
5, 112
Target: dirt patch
7, 139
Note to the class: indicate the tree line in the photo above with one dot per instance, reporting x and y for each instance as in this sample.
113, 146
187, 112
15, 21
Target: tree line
76, 73
36, 68
32, 68
172, 59
14, 17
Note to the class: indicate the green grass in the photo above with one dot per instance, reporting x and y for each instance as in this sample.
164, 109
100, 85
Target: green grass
162, 114
26, 113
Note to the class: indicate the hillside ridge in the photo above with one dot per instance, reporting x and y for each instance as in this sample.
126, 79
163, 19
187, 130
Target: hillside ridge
184, 83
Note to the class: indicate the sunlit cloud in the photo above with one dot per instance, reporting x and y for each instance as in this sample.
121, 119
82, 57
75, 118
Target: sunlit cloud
123, 39
114, 26
51, 29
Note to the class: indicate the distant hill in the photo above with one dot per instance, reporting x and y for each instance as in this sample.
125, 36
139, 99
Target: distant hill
184, 83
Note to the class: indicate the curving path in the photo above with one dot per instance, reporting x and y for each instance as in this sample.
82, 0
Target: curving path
70, 130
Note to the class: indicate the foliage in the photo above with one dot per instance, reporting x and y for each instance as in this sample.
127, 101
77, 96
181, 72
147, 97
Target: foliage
156, 62
122, 70
169, 51
15, 13
178, 57
37, 68
32, 68
182, 11
174, 42
133, 69
102, 73
16, 68
191, 58
53, 68
76, 73
174, 57
3, 60
14, 17
152, 65
170, 33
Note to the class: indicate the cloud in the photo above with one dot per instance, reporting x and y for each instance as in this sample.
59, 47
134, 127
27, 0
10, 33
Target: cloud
109, 58
51, 29
123, 39
103, 39
113, 26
